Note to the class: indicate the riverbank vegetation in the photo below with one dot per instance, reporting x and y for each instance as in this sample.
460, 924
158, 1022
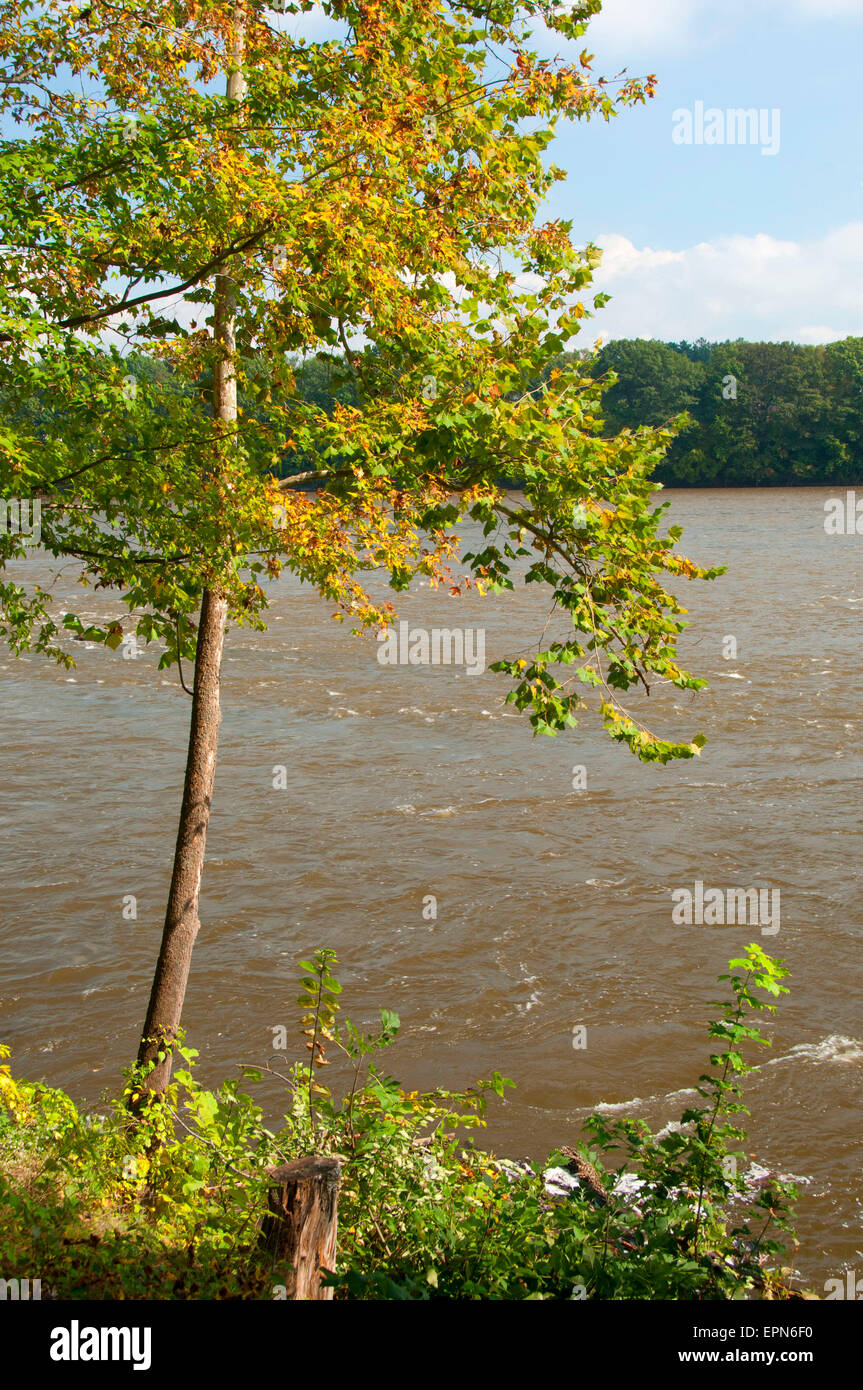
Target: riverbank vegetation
761, 414
170, 1208
758, 414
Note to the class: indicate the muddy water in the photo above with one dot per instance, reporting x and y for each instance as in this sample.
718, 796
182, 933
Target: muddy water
553, 905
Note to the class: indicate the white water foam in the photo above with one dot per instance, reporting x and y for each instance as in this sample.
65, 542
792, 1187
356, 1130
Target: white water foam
835, 1048
607, 1107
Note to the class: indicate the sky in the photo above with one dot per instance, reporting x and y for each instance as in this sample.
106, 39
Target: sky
721, 240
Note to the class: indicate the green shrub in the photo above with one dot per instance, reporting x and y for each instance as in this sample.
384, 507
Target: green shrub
166, 1202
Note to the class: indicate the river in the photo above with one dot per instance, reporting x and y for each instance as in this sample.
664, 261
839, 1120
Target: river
553, 905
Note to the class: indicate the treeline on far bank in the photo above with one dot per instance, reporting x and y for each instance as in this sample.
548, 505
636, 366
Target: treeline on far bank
762, 414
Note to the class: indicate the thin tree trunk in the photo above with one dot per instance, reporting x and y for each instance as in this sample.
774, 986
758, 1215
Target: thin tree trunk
181, 920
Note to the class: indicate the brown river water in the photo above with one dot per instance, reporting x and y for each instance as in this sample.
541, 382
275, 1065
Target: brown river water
554, 905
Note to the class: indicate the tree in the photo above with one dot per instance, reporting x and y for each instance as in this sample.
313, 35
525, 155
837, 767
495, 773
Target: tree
653, 383
843, 375
371, 199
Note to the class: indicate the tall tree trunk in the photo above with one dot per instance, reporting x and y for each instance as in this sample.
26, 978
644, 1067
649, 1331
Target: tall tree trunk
181, 920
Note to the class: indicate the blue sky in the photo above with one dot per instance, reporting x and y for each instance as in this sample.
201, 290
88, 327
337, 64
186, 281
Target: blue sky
719, 240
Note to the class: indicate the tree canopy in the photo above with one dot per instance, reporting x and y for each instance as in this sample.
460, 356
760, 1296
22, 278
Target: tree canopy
372, 196
780, 414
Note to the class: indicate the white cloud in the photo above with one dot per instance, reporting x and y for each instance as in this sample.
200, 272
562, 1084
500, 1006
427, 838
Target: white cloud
819, 333
666, 27
661, 25
753, 287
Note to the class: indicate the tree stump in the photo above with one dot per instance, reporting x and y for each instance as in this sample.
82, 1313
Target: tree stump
301, 1227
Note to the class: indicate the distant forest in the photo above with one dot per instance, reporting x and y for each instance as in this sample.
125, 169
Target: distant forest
760, 414
763, 414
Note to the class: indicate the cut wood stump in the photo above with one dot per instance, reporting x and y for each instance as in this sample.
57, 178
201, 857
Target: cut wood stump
301, 1227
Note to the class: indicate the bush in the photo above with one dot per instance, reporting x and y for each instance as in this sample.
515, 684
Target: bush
166, 1202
